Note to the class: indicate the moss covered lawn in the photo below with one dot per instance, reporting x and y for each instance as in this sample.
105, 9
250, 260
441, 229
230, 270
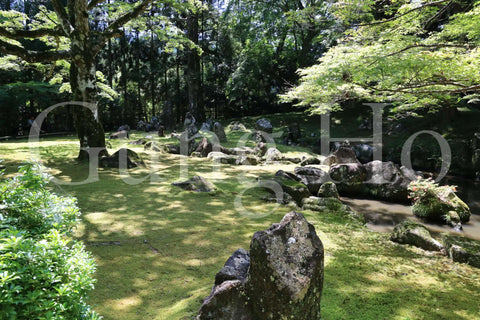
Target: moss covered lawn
158, 247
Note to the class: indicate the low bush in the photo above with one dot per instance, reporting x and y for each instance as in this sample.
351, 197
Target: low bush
44, 274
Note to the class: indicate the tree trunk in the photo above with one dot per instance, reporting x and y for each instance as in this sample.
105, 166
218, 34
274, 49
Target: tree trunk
84, 88
193, 70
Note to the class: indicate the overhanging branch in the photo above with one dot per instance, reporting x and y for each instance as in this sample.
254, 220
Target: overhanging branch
33, 56
17, 34
138, 10
461, 88
428, 4
429, 46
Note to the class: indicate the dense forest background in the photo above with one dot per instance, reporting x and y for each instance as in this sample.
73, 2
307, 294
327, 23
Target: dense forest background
216, 58
224, 59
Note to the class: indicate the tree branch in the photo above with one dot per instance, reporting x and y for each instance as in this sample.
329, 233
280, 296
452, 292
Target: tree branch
138, 10
62, 16
462, 88
17, 34
429, 46
33, 56
434, 3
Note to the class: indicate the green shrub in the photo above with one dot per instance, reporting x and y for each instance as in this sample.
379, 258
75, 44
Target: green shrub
44, 274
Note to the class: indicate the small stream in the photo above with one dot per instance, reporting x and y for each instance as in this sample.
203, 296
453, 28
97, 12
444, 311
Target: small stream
382, 216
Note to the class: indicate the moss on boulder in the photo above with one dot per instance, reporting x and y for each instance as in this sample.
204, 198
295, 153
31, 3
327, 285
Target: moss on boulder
462, 250
415, 234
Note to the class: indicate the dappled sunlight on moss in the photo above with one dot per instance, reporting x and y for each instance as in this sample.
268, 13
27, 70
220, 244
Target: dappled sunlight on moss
159, 247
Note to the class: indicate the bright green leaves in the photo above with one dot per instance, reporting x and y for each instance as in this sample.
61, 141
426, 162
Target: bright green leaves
404, 60
44, 274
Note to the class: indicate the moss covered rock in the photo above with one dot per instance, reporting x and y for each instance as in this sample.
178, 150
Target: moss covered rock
462, 250
415, 234
443, 205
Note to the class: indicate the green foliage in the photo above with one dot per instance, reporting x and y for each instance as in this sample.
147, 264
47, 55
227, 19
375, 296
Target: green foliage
44, 274
409, 59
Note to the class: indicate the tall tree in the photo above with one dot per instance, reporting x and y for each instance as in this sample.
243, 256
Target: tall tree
71, 24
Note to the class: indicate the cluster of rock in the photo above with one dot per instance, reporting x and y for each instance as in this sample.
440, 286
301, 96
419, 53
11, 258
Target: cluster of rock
459, 249
281, 277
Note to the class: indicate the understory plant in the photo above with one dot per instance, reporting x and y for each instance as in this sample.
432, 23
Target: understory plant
434, 202
44, 274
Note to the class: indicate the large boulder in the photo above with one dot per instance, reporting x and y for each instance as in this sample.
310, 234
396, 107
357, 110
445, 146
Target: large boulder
349, 178
345, 154
219, 132
123, 158
124, 127
321, 204
415, 234
260, 149
196, 184
282, 278
441, 205
286, 270
387, 181
313, 178
264, 125
462, 250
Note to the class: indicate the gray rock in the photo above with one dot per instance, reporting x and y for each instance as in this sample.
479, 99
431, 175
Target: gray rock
123, 158
296, 190
219, 132
206, 127
235, 268
226, 302
415, 234
349, 178
246, 160
286, 271
264, 125
282, 280
287, 175
152, 145
196, 184
241, 151
204, 147
387, 181
462, 250
330, 160
220, 157
321, 204
328, 190
310, 161
344, 155
236, 126
171, 148
272, 155
260, 149
313, 178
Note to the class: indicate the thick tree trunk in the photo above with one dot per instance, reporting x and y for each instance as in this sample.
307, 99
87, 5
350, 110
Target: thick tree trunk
193, 70
83, 84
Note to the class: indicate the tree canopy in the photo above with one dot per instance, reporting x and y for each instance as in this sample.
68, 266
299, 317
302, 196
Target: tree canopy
413, 54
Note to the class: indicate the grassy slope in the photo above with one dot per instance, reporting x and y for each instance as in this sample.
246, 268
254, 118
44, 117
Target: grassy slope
158, 248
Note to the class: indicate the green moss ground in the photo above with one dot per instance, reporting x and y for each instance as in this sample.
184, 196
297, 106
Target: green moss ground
158, 248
